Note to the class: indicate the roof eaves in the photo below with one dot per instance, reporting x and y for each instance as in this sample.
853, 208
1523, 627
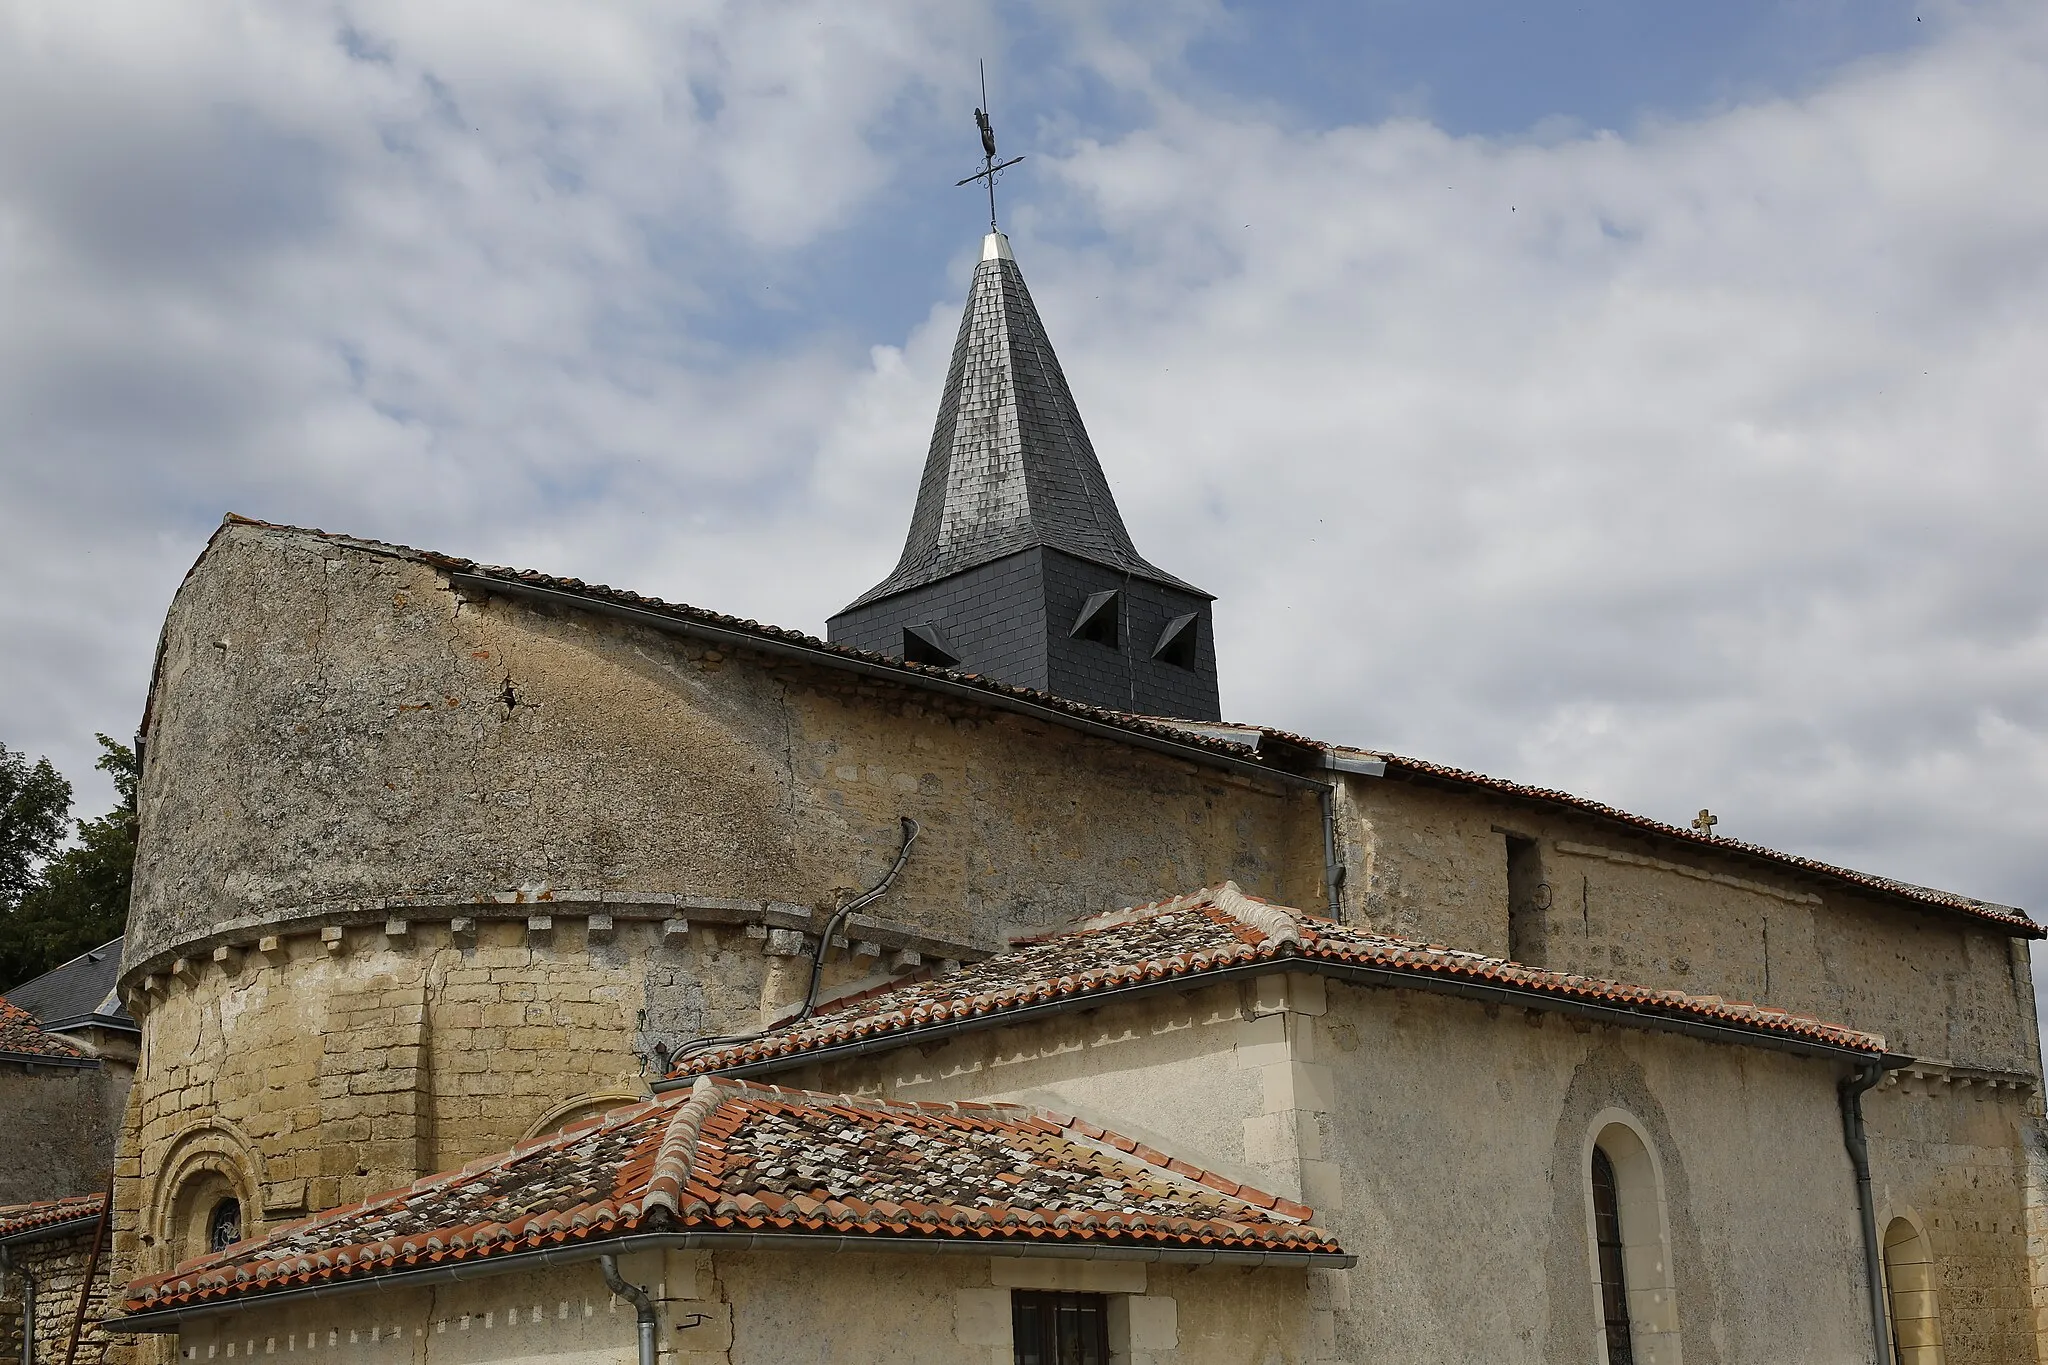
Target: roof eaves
169, 1319
1646, 1014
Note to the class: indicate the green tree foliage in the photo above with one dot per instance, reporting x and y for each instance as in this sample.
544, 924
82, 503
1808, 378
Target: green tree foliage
80, 900
34, 801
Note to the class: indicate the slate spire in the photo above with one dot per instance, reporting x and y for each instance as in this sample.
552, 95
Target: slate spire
1014, 517
1010, 464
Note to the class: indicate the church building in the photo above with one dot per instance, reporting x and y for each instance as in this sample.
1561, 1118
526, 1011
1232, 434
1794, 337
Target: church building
527, 968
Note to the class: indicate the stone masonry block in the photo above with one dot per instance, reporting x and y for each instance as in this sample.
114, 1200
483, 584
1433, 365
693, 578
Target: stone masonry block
1262, 1041
784, 943
1296, 1085
1089, 1277
981, 1317
699, 1325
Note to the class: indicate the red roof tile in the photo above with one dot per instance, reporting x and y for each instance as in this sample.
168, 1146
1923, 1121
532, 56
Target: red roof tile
16, 1219
22, 1036
734, 1157
1208, 931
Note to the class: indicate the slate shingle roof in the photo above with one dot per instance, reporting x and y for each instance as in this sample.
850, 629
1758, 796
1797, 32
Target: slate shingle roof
79, 991
1208, 931
22, 1036
16, 1219
1010, 464
734, 1157
1256, 746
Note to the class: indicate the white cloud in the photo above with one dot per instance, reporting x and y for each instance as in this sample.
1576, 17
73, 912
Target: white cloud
1700, 466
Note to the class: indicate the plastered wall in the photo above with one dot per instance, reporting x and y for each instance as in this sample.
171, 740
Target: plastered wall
777, 1308
58, 1126
1444, 1140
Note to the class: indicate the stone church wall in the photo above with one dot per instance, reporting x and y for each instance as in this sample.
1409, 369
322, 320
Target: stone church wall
58, 1266
1948, 1154
1434, 865
418, 870
333, 727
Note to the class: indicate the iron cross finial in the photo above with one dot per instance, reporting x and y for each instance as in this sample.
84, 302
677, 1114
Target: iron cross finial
990, 167
1705, 821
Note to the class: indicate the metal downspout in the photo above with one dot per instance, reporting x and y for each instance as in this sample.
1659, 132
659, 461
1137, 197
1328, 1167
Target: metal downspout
643, 1306
1851, 1088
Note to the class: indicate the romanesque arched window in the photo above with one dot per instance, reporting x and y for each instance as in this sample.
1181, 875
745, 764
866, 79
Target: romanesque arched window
224, 1225
1635, 1298
1607, 1255
1910, 1295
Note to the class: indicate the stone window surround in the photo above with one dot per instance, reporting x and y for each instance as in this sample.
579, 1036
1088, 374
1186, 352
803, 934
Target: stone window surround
1141, 1325
1913, 1280
206, 1163
1646, 1238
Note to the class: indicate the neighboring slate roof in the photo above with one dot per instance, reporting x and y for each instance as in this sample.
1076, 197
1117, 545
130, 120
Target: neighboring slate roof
1010, 464
79, 992
1256, 746
729, 1157
1180, 940
47, 1216
22, 1038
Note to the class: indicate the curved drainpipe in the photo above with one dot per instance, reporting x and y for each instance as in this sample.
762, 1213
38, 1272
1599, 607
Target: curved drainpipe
1851, 1089
643, 1306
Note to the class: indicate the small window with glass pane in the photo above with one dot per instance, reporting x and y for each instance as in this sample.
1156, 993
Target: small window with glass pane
1057, 1328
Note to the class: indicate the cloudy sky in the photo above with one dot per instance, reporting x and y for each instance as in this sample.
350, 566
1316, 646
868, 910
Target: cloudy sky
1644, 400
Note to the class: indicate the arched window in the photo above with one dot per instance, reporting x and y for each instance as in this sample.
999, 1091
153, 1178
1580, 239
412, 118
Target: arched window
1635, 1303
1909, 1295
224, 1225
1607, 1245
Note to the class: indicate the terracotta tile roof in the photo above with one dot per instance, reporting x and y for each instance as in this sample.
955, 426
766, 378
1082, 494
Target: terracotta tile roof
1209, 931
22, 1036
732, 1157
1258, 746
16, 1219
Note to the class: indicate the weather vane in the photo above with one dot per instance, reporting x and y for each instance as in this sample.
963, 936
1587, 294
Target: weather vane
990, 167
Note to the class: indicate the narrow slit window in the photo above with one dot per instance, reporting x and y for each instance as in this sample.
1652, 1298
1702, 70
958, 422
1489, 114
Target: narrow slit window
1608, 1246
1098, 621
1050, 1327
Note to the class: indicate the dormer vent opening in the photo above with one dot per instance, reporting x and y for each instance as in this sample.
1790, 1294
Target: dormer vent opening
1177, 643
925, 644
1098, 621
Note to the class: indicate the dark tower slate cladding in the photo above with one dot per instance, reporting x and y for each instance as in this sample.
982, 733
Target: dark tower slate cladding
1018, 566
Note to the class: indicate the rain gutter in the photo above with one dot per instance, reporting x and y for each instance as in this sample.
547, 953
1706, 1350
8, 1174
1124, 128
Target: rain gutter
169, 1319
45, 1231
931, 682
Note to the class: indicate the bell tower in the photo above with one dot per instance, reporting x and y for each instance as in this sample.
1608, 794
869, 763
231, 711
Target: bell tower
1017, 566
